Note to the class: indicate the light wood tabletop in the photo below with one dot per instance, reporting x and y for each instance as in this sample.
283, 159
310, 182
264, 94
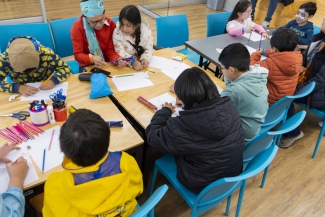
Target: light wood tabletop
122, 138
128, 99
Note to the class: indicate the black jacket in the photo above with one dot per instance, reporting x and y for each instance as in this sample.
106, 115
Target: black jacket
207, 141
317, 74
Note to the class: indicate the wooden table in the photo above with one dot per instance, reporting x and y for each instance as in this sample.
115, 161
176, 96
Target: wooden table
122, 139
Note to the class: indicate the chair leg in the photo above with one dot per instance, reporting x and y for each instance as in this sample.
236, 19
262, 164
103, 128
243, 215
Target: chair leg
228, 204
240, 197
264, 176
319, 140
152, 185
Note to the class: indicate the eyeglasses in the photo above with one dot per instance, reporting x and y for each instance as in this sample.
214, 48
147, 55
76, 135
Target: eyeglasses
94, 23
248, 12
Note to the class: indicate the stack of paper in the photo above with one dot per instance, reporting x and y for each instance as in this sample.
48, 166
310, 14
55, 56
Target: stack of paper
160, 100
44, 94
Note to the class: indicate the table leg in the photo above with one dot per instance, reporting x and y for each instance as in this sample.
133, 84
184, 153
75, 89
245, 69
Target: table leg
201, 61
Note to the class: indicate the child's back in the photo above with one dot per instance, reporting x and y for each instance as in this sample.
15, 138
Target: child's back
283, 63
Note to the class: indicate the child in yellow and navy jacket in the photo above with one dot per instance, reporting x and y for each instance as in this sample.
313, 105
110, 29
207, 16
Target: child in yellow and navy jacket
27, 61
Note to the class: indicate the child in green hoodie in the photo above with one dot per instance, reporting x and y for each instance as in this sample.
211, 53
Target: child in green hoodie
246, 87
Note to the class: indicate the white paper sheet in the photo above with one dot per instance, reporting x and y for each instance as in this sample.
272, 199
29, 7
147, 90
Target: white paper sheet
254, 37
219, 50
174, 71
252, 50
14, 155
164, 63
166, 97
137, 80
44, 94
53, 157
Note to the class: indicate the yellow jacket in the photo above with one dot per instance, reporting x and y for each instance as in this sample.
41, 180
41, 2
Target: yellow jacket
107, 196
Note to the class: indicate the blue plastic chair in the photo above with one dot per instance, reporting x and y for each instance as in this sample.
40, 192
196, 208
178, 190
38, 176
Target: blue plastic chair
115, 18
172, 31
151, 202
267, 139
62, 40
217, 191
41, 31
216, 23
316, 30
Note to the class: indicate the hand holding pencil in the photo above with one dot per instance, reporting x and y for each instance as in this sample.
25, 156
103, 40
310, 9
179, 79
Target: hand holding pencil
47, 84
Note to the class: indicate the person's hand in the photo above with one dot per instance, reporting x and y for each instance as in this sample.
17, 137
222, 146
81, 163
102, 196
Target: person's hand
137, 66
170, 106
122, 63
248, 30
5, 149
17, 172
179, 102
302, 47
47, 86
265, 35
26, 90
98, 61
260, 50
302, 69
171, 88
144, 63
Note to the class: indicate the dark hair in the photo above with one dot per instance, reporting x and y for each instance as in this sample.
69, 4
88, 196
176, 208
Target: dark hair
235, 55
240, 7
310, 7
284, 40
132, 14
194, 86
84, 138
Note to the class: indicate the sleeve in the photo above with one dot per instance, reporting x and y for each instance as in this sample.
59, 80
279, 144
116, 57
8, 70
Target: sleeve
110, 53
12, 203
61, 68
233, 30
160, 134
307, 39
259, 28
136, 175
4, 72
319, 79
256, 59
228, 92
119, 45
77, 38
147, 45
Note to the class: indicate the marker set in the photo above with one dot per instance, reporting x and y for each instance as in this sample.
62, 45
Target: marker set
21, 132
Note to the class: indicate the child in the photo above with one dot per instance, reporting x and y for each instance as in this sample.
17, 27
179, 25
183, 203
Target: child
207, 138
246, 87
26, 61
94, 182
283, 63
240, 21
132, 37
302, 27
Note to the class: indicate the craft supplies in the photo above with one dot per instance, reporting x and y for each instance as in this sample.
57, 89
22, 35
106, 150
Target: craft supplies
117, 123
19, 115
180, 57
71, 109
51, 139
38, 112
47, 79
21, 132
130, 60
147, 103
50, 114
43, 164
59, 106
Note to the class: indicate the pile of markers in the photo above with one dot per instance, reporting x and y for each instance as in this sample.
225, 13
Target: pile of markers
21, 132
37, 105
58, 99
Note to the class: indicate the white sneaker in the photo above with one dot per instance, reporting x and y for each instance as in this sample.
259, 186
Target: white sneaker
320, 124
265, 24
287, 142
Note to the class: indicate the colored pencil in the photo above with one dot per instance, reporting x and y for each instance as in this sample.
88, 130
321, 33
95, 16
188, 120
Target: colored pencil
19, 135
14, 134
26, 130
259, 46
4, 132
47, 79
120, 76
51, 140
43, 165
6, 137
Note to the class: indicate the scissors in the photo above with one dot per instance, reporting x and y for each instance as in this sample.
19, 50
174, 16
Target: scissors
22, 115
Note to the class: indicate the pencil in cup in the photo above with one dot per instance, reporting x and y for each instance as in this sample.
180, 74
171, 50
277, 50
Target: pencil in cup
47, 79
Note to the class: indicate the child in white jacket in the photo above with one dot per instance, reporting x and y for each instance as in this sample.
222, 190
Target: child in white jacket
132, 37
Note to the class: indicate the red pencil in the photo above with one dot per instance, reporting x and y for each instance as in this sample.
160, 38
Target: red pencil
51, 140
6, 137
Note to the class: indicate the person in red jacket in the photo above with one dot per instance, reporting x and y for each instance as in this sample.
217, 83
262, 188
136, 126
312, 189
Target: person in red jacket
91, 36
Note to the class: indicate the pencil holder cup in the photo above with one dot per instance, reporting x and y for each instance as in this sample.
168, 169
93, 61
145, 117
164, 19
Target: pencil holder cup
39, 118
60, 114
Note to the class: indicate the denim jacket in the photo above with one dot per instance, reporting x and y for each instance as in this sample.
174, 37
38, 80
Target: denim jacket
12, 203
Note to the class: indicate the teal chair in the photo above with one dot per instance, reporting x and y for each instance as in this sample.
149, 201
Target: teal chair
216, 23
62, 40
172, 31
115, 18
217, 191
150, 203
316, 30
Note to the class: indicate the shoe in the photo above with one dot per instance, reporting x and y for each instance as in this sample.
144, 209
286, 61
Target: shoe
287, 142
266, 24
320, 124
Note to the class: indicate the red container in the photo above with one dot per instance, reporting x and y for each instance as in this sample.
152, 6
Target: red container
60, 114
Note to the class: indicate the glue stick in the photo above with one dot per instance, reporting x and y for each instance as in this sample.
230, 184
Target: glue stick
50, 113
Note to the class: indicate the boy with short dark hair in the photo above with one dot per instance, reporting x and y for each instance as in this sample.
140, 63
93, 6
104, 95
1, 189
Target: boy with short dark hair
301, 25
94, 182
246, 87
283, 63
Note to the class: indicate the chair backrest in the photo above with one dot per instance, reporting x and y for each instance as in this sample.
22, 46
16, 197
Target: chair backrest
41, 31
115, 18
265, 140
316, 30
305, 91
172, 31
151, 202
62, 37
216, 23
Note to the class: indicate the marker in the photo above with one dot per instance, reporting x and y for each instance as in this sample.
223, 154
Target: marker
43, 165
120, 76
117, 123
259, 46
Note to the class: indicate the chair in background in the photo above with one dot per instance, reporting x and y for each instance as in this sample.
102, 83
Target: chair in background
267, 139
217, 191
316, 30
62, 40
41, 31
150, 203
216, 23
115, 19
172, 31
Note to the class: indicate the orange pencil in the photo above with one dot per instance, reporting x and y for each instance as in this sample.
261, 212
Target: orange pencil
47, 79
51, 140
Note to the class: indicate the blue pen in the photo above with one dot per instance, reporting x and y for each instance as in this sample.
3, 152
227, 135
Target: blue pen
259, 46
43, 165
118, 123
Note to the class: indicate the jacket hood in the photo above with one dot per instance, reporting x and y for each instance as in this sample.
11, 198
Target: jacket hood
255, 80
288, 62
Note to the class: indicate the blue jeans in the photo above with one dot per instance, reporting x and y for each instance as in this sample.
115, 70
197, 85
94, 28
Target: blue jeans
270, 11
295, 132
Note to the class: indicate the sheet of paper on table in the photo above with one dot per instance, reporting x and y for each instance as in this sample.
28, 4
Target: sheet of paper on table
250, 50
132, 81
35, 147
44, 94
254, 37
14, 155
166, 97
